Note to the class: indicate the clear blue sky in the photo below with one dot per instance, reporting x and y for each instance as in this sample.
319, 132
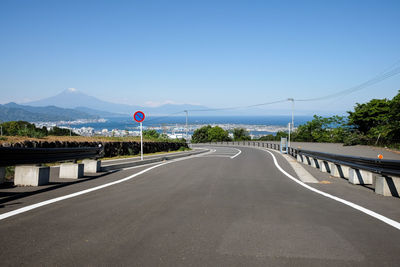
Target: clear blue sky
213, 53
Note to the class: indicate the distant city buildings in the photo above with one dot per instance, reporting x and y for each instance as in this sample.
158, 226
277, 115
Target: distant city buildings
175, 131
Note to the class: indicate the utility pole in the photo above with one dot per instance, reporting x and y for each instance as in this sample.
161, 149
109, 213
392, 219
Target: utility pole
1, 129
291, 126
186, 135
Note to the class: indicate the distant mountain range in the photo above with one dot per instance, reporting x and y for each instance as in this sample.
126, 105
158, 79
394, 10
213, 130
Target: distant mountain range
72, 98
14, 112
72, 105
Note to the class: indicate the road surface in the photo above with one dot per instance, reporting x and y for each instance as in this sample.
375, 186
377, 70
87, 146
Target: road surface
230, 207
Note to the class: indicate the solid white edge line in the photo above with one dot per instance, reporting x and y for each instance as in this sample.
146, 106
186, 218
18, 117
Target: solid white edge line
57, 199
240, 151
371, 213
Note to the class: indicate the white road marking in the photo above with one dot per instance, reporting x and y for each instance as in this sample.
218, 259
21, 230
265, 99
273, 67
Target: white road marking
371, 213
303, 175
57, 199
216, 156
240, 151
137, 158
140, 166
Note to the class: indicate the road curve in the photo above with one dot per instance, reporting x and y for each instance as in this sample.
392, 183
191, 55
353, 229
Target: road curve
220, 209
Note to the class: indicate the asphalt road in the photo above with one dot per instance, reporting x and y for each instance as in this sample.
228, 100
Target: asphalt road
226, 208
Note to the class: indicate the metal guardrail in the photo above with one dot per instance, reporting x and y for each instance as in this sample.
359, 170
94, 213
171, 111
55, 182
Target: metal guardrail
384, 167
17, 156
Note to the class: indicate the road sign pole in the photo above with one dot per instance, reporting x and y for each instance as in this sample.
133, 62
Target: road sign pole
141, 141
139, 117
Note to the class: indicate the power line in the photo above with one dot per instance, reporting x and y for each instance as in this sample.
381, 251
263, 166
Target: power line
239, 107
378, 78
164, 117
386, 74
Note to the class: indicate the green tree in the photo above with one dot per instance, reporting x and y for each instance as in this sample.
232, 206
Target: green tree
377, 121
369, 115
241, 134
151, 134
217, 134
320, 129
201, 135
210, 134
394, 118
22, 128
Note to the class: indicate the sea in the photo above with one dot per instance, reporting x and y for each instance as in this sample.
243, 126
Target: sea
253, 122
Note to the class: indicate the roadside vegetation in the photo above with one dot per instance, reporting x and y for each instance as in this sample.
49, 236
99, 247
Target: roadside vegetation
19, 131
376, 122
24, 128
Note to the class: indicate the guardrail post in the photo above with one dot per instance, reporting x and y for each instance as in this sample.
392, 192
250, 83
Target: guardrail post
360, 176
91, 166
338, 170
324, 166
71, 170
299, 158
31, 175
307, 160
387, 186
2, 175
314, 163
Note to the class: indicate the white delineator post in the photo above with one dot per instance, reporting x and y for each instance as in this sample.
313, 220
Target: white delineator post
141, 141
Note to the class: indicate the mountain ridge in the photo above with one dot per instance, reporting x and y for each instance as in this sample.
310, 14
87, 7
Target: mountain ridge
74, 99
14, 112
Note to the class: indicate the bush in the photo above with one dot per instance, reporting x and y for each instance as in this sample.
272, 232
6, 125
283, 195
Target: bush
210, 134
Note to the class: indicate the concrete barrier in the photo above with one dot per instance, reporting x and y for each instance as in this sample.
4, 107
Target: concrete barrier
387, 186
30, 175
2, 175
324, 166
306, 160
357, 176
338, 170
91, 166
314, 163
299, 158
71, 170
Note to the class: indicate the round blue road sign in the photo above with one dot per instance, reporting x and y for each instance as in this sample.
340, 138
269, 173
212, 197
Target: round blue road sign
138, 116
